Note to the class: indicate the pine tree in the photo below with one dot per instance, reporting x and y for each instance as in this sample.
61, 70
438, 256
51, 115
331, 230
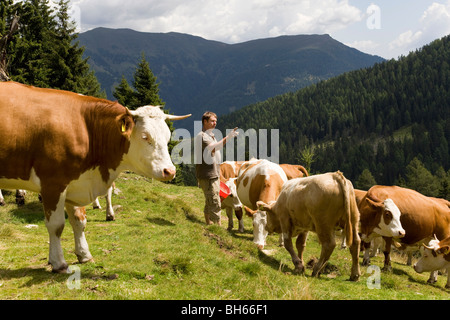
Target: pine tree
124, 93
420, 179
44, 53
30, 47
8, 26
69, 71
365, 180
147, 91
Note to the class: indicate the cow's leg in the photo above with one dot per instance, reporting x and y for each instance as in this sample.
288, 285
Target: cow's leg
301, 244
447, 286
410, 257
366, 259
433, 277
239, 215
96, 204
54, 221
354, 251
2, 200
77, 218
20, 197
328, 241
229, 212
387, 254
109, 208
343, 240
298, 265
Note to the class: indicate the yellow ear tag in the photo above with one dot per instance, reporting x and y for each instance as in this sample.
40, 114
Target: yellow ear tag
123, 127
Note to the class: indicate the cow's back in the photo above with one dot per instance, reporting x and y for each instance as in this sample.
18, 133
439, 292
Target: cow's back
310, 198
53, 136
36, 123
259, 180
421, 216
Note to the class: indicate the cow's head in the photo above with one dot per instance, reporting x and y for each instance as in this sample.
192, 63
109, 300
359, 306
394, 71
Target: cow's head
380, 218
435, 256
148, 153
232, 201
265, 221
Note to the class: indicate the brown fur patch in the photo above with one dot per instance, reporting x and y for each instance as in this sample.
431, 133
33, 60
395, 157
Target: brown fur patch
61, 135
80, 213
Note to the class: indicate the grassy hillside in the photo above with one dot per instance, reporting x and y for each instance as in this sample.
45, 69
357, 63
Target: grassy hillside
160, 248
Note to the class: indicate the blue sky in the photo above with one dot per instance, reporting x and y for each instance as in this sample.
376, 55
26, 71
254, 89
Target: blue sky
385, 28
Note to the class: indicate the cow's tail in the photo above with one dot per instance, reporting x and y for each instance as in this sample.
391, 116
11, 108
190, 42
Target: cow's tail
351, 217
303, 170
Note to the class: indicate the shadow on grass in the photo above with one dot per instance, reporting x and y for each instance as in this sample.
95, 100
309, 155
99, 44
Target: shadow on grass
30, 212
161, 222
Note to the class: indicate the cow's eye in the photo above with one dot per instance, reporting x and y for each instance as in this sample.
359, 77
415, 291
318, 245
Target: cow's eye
147, 137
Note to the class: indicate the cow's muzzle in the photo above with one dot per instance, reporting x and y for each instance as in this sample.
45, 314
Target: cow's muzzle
168, 174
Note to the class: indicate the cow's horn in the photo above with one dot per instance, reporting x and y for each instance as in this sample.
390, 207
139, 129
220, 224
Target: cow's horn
429, 248
173, 118
249, 211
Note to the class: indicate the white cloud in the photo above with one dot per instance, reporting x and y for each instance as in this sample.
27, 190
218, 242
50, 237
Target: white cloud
434, 24
229, 21
364, 45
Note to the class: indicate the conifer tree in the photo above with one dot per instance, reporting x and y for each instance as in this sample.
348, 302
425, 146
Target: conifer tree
44, 52
68, 69
365, 180
124, 93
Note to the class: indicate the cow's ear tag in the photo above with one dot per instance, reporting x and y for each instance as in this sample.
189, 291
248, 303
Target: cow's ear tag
124, 128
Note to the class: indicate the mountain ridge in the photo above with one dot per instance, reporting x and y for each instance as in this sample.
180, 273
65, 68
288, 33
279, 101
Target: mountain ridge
196, 74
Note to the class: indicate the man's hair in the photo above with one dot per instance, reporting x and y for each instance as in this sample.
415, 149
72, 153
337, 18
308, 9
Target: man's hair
207, 115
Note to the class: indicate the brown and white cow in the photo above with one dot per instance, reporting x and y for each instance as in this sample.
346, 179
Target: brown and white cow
435, 256
259, 180
70, 148
421, 217
228, 174
317, 203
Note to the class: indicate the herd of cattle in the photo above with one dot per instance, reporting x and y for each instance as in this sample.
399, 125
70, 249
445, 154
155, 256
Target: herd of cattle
285, 200
70, 148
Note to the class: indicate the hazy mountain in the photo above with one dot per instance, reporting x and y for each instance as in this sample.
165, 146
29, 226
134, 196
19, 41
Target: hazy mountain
197, 74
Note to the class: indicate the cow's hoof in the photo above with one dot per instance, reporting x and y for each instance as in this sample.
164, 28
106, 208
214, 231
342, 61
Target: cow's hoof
61, 269
85, 259
354, 278
387, 269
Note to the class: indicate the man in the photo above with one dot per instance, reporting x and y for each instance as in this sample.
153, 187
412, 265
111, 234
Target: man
208, 169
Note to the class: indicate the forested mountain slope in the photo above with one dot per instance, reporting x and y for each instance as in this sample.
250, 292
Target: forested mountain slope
379, 118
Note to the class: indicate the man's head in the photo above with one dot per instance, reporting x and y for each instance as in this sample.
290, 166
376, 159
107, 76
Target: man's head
209, 120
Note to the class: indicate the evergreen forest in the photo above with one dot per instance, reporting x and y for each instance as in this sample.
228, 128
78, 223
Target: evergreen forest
388, 124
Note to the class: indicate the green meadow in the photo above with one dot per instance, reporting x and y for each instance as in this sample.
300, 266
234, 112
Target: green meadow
159, 248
